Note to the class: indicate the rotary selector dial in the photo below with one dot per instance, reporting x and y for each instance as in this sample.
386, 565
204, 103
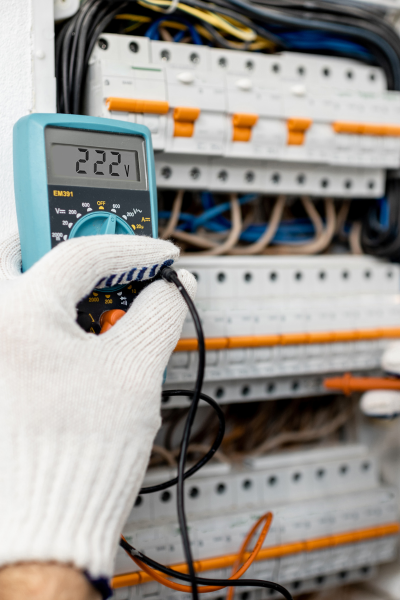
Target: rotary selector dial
100, 223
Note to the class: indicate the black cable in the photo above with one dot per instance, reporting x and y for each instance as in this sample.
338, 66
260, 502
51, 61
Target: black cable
96, 32
377, 240
57, 52
78, 69
170, 275
207, 457
202, 580
81, 16
64, 67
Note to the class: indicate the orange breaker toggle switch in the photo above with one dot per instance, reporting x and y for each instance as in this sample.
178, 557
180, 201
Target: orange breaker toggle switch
358, 128
297, 127
184, 120
109, 318
133, 105
242, 124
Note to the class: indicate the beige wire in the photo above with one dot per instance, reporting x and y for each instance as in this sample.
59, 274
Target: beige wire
321, 240
208, 240
192, 238
355, 238
341, 218
166, 454
314, 215
268, 234
234, 233
174, 218
165, 34
303, 436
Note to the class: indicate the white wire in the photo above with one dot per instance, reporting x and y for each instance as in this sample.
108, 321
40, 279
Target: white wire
172, 7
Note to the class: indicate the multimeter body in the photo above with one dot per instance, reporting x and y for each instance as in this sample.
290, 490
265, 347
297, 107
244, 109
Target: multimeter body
77, 176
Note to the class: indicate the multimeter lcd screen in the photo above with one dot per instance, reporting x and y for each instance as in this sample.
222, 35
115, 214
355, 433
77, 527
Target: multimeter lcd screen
95, 159
102, 163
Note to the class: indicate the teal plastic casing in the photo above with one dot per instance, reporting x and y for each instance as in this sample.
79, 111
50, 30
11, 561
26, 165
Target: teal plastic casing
30, 175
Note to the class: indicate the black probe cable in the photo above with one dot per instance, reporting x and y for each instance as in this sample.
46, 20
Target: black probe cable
171, 276
202, 580
207, 457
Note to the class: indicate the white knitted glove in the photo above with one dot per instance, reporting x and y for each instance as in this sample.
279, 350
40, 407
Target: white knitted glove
78, 413
384, 403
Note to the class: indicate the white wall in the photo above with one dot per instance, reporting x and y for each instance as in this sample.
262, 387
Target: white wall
26, 83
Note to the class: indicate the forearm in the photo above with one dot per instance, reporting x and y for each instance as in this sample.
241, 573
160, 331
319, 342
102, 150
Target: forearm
44, 581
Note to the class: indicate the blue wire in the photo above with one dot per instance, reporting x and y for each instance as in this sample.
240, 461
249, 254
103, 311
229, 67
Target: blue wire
314, 40
289, 232
153, 32
207, 200
299, 230
217, 210
384, 212
179, 36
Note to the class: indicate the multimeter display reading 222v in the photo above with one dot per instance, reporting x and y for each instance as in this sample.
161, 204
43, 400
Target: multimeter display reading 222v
100, 162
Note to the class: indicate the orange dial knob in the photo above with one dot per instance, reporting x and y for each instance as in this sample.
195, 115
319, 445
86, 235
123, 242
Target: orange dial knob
109, 318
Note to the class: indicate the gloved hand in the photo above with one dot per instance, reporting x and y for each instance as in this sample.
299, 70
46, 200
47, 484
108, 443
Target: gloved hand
384, 403
78, 413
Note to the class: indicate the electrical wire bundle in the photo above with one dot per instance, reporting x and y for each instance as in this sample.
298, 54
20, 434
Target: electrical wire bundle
287, 226
262, 428
76, 38
329, 27
320, 26
152, 567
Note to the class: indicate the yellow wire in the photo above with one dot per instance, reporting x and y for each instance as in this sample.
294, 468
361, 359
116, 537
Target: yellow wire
174, 25
203, 32
259, 44
126, 17
132, 27
139, 19
243, 33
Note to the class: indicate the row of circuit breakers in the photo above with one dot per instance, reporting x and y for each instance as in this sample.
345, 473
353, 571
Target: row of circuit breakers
236, 121
275, 327
333, 523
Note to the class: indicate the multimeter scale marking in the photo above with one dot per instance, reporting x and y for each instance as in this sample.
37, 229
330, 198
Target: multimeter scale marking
68, 204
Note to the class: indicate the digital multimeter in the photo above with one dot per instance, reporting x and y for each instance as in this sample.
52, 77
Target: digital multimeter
77, 176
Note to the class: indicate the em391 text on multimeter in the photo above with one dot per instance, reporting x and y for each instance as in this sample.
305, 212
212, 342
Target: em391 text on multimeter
76, 176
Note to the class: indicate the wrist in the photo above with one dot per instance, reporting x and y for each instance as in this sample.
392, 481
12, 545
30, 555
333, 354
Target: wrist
45, 581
